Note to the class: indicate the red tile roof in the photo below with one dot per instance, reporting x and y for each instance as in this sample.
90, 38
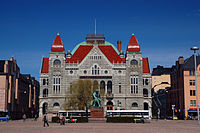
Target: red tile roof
45, 65
111, 54
57, 45
133, 45
80, 54
145, 63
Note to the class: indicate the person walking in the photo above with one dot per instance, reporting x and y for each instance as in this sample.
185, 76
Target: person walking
24, 117
45, 119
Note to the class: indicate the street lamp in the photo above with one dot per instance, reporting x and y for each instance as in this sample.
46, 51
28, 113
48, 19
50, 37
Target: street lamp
195, 66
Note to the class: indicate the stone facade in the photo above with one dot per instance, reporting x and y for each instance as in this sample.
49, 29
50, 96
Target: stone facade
126, 79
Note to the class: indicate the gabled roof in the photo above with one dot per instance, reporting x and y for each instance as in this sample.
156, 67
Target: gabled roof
189, 62
133, 45
45, 65
111, 54
80, 54
57, 45
145, 63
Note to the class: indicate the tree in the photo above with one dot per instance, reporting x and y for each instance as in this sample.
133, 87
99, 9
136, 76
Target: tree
80, 95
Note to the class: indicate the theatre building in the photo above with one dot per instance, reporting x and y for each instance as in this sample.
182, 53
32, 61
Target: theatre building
125, 77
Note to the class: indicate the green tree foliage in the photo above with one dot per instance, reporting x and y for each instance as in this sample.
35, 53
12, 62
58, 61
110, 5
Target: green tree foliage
80, 95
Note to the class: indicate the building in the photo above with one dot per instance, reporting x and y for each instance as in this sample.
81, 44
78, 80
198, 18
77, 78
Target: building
19, 93
125, 78
183, 90
161, 82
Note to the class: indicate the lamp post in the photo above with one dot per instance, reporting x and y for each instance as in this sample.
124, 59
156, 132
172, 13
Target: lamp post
195, 66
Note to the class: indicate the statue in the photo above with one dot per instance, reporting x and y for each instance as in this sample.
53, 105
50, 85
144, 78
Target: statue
96, 99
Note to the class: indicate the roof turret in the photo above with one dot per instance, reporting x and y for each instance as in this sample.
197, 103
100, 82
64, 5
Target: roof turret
57, 45
133, 45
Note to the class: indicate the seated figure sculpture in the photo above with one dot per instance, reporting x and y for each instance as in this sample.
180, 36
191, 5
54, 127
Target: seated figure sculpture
96, 99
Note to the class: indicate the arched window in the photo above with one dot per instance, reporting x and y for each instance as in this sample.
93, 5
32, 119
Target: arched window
102, 86
109, 87
145, 92
56, 104
44, 108
95, 70
134, 62
45, 93
134, 104
146, 107
57, 62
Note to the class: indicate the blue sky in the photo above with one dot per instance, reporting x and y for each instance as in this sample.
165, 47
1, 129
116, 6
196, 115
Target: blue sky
165, 29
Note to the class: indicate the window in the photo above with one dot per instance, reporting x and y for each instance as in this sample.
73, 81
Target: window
192, 102
192, 82
105, 71
192, 92
120, 88
145, 92
134, 84
119, 71
56, 104
57, 63
134, 62
85, 72
134, 104
45, 81
95, 70
71, 72
192, 73
45, 93
56, 84
145, 81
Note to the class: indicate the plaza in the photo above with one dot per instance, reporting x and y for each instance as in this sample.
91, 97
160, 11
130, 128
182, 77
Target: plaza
155, 126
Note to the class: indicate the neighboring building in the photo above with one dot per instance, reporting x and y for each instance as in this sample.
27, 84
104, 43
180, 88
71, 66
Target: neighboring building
126, 79
161, 78
19, 93
183, 90
161, 82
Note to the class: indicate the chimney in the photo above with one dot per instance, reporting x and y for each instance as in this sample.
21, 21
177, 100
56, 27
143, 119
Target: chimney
119, 45
181, 60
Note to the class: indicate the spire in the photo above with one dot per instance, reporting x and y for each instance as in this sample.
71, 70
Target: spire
57, 44
133, 45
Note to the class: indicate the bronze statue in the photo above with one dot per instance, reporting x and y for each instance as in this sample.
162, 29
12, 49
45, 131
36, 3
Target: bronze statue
96, 99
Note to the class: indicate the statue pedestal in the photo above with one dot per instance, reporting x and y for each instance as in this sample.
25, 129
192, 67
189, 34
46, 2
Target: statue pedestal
97, 113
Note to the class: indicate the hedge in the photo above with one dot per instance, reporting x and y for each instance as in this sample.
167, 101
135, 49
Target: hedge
123, 120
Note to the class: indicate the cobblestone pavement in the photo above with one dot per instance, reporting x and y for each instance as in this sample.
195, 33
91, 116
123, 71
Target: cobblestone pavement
160, 126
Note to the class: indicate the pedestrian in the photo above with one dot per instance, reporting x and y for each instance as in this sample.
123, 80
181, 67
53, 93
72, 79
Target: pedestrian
61, 119
24, 117
45, 119
35, 117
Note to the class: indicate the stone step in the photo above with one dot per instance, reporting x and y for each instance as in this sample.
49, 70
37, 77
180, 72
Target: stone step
97, 120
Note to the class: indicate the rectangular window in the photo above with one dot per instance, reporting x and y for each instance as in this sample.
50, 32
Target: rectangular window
192, 82
191, 102
192, 73
134, 84
194, 101
192, 92
131, 89
120, 87
56, 84
44, 81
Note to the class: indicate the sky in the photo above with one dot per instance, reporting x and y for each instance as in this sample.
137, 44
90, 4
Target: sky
165, 29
